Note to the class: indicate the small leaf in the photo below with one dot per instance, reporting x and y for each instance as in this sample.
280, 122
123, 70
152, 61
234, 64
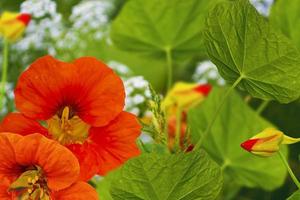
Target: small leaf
243, 45
236, 123
168, 177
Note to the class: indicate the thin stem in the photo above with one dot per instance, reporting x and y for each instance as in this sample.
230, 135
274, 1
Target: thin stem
142, 145
178, 128
169, 67
213, 119
294, 178
4, 73
262, 107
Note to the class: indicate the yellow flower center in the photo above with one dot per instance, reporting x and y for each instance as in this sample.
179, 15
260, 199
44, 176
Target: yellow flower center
31, 185
68, 128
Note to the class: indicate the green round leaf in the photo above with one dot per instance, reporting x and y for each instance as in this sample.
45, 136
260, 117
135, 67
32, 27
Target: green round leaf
236, 123
243, 45
168, 177
285, 15
153, 27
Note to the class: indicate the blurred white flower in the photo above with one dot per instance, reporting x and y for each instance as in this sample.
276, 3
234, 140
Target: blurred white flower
45, 27
91, 16
206, 72
262, 6
121, 69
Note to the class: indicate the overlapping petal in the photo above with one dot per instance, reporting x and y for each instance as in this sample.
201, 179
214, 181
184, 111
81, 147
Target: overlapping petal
4, 184
58, 163
108, 147
18, 123
77, 191
9, 168
87, 85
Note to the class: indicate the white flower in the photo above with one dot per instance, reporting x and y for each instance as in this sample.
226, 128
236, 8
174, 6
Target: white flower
206, 71
90, 16
262, 6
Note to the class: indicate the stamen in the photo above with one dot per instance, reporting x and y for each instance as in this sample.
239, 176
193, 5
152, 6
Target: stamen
65, 116
29, 180
67, 128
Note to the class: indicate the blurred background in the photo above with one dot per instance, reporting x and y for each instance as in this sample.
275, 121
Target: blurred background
73, 28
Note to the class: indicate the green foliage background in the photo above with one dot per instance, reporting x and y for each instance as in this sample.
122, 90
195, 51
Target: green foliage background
143, 33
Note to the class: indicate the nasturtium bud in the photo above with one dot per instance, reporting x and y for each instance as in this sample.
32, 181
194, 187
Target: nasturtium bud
184, 96
267, 142
13, 25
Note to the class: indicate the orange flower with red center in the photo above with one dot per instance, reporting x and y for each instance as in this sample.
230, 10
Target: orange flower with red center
13, 25
34, 167
82, 103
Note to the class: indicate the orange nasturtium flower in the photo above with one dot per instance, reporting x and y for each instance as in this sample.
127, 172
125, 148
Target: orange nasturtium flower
182, 97
34, 167
13, 25
82, 103
267, 142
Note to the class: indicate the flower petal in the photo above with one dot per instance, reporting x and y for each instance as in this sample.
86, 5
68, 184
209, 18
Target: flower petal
57, 162
104, 96
4, 185
108, 147
77, 191
11, 27
88, 86
40, 89
9, 168
18, 123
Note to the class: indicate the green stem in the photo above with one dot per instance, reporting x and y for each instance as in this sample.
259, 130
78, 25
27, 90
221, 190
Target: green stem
178, 128
213, 119
169, 67
142, 145
4, 73
262, 107
294, 178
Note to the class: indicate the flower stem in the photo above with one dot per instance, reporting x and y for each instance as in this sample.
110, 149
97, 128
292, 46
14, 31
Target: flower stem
169, 67
213, 119
4, 73
262, 107
294, 178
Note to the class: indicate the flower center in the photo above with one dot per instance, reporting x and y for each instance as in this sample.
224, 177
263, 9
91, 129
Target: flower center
31, 185
68, 128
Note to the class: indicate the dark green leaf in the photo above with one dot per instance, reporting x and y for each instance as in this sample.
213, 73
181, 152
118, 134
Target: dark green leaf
154, 26
243, 45
236, 123
295, 196
168, 177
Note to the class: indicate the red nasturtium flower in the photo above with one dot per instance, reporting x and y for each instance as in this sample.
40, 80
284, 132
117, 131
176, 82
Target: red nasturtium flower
13, 25
82, 103
34, 167
182, 97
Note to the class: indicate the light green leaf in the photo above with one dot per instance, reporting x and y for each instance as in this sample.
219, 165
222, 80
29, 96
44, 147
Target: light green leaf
295, 196
243, 45
236, 123
285, 15
168, 177
153, 27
